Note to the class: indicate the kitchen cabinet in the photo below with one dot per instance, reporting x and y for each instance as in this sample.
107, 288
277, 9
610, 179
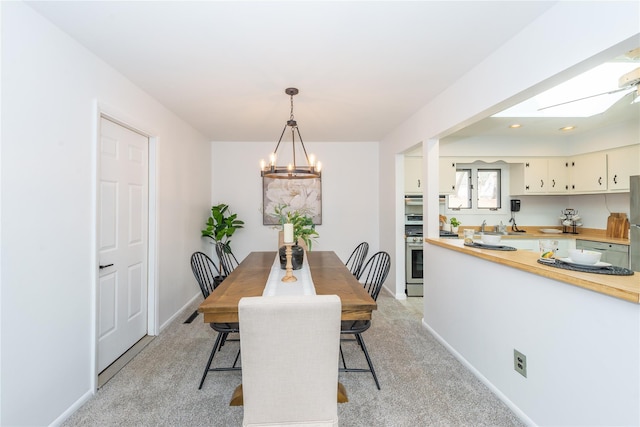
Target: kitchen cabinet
621, 164
588, 173
612, 253
558, 175
447, 174
413, 182
413, 175
539, 176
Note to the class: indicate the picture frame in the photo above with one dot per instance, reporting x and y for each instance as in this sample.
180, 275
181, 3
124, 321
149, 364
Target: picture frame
302, 195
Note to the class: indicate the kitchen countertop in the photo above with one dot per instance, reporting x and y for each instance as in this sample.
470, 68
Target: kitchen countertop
623, 287
595, 234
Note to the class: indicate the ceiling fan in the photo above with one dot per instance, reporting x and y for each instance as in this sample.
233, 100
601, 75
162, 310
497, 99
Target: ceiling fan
629, 82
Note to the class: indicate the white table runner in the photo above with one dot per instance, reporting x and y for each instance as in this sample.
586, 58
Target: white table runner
276, 287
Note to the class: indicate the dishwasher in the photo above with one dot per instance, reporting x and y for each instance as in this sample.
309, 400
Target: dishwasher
612, 253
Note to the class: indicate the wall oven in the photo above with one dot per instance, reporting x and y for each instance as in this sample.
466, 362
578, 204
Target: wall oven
413, 257
414, 273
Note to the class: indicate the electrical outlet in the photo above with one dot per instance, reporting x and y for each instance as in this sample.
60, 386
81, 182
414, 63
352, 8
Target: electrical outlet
520, 363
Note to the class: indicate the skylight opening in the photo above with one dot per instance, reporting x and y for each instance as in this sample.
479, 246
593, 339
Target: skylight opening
576, 96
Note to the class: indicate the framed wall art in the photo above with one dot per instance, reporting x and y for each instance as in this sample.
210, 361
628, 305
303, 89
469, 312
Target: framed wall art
302, 195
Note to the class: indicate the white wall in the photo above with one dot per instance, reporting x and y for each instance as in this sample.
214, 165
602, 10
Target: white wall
49, 88
553, 47
582, 347
349, 194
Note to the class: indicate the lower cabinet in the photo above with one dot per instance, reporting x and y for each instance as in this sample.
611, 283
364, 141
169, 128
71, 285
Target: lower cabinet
612, 253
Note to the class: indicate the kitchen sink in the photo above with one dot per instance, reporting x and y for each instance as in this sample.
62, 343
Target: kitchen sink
500, 233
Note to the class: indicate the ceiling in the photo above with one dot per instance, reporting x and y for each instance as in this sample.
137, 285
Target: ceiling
621, 111
362, 67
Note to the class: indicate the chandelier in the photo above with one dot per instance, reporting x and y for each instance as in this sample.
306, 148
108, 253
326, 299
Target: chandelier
293, 170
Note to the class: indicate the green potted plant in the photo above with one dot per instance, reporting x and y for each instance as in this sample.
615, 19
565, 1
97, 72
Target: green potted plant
303, 230
454, 224
221, 225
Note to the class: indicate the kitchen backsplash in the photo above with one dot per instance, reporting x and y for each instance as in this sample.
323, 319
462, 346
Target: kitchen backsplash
544, 210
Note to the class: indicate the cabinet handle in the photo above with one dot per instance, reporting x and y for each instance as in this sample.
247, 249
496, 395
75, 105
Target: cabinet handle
526, 187
541, 183
418, 183
615, 179
600, 181
105, 266
553, 183
526, 165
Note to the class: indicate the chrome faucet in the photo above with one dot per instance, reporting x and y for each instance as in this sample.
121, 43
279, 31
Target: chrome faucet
482, 226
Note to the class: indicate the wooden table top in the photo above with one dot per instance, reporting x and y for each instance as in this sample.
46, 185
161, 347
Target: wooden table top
330, 277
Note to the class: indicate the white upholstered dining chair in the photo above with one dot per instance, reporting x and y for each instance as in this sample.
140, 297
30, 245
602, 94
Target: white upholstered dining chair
289, 349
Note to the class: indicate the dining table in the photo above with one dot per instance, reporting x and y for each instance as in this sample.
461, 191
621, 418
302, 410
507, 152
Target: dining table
329, 274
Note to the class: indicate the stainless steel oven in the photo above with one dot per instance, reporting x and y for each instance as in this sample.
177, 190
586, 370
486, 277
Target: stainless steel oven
413, 257
414, 273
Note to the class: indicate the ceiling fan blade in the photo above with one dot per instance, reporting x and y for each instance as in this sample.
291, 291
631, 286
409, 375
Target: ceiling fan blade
586, 97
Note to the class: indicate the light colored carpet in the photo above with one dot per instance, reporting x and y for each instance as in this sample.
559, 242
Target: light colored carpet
422, 384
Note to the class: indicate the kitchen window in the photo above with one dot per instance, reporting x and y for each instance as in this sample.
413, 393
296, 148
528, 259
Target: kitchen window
477, 188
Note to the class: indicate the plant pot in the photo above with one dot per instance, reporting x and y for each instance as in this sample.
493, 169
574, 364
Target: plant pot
297, 256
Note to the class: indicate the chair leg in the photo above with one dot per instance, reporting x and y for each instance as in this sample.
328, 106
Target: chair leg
366, 355
223, 340
344, 364
235, 362
213, 352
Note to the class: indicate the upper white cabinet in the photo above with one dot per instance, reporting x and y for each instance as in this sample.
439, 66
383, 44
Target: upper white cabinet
558, 175
413, 175
539, 176
447, 174
413, 182
588, 173
621, 164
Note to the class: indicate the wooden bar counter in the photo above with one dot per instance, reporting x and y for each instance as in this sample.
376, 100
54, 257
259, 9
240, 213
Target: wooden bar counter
623, 287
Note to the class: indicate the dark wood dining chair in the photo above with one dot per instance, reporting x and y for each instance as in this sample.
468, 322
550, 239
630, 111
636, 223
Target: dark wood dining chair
207, 274
372, 277
357, 257
228, 261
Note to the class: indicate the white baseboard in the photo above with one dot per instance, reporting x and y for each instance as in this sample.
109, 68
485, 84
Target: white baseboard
71, 409
499, 394
179, 312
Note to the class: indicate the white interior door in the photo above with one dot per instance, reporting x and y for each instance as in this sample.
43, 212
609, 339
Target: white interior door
123, 210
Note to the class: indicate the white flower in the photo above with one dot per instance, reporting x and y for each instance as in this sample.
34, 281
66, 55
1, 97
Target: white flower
302, 195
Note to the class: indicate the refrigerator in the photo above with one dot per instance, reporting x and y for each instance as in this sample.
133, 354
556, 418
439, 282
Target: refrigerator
634, 221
